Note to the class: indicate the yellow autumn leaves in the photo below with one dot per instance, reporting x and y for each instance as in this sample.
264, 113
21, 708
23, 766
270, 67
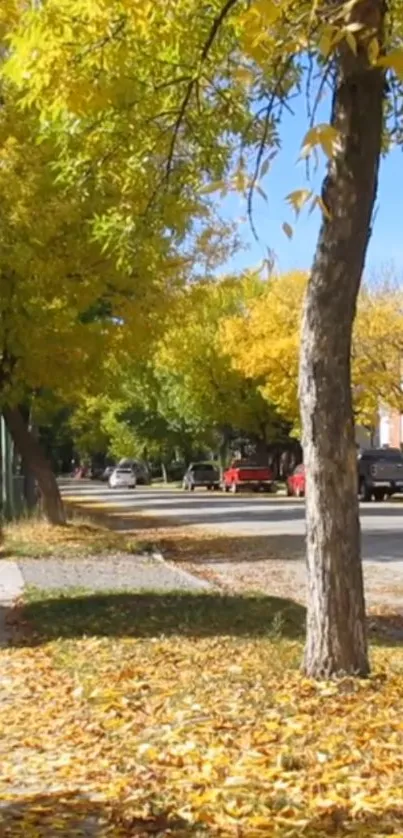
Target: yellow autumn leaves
264, 343
134, 732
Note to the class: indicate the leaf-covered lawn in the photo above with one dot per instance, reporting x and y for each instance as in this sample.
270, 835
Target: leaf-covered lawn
35, 538
187, 716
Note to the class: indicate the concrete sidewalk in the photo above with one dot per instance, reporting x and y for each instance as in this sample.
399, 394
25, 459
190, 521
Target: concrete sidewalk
11, 587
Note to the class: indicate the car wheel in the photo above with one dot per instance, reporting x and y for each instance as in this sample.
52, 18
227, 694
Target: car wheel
364, 493
234, 488
379, 495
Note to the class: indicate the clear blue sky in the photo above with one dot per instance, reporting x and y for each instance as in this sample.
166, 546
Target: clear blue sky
288, 174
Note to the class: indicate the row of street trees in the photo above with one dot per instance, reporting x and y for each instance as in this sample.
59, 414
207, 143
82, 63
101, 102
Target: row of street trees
225, 365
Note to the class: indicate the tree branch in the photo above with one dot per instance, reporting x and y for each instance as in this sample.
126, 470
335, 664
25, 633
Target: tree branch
217, 23
275, 94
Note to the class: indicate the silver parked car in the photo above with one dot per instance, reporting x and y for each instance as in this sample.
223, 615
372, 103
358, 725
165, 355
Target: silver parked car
140, 468
122, 478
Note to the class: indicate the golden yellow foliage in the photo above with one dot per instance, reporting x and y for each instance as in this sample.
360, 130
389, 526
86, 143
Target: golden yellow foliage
205, 389
377, 358
264, 342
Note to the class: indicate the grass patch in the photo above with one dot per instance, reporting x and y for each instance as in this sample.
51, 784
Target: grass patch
77, 613
35, 538
159, 484
187, 716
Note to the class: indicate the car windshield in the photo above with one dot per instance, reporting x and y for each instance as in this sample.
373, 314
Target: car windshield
203, 466
246, 464
391, 455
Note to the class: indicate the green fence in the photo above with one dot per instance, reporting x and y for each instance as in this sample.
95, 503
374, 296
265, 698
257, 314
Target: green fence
12, 485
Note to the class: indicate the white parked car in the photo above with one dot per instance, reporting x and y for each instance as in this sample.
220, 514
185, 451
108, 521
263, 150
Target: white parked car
122, 478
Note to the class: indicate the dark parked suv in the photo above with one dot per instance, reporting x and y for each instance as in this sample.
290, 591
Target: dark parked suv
201, 474
380, 473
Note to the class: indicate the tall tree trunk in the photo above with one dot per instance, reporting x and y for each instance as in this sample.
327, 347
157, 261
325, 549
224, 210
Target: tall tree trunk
262, 452
31, 452
223, 449
30, 492
336, 636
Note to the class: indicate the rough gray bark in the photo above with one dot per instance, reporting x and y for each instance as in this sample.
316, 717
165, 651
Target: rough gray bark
31, 452
336, 637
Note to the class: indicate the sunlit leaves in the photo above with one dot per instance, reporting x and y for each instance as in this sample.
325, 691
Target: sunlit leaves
298, 198
264, 342
394, 61
378, 352
194, 366
207, 725
324, 136
256, 24
110, 85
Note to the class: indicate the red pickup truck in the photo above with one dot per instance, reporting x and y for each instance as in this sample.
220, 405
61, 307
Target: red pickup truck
243, 474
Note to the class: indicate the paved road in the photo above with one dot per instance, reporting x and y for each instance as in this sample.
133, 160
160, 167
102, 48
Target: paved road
280, 519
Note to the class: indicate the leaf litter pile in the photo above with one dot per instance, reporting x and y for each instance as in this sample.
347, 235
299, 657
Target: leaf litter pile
35, 538
153, 718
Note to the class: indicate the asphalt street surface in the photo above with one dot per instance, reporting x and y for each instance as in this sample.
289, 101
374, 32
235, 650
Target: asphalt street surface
281, 519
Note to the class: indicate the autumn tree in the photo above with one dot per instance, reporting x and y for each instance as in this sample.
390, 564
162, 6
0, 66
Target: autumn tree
84, 278
131, 422
377, 353
66, 306
188, 395
197, 380
264, 342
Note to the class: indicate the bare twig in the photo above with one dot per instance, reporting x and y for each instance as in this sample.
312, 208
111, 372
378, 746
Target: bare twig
258, 162
275, 94
217, 23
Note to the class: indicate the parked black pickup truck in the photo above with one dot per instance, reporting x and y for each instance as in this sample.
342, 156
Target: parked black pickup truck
380, 473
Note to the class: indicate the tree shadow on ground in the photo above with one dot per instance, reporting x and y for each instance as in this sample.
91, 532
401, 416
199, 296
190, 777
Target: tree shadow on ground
55, 615
73, 814
197, 542
200, 548
193, 545
61, 615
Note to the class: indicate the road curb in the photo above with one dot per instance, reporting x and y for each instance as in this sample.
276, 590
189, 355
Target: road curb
159, 557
